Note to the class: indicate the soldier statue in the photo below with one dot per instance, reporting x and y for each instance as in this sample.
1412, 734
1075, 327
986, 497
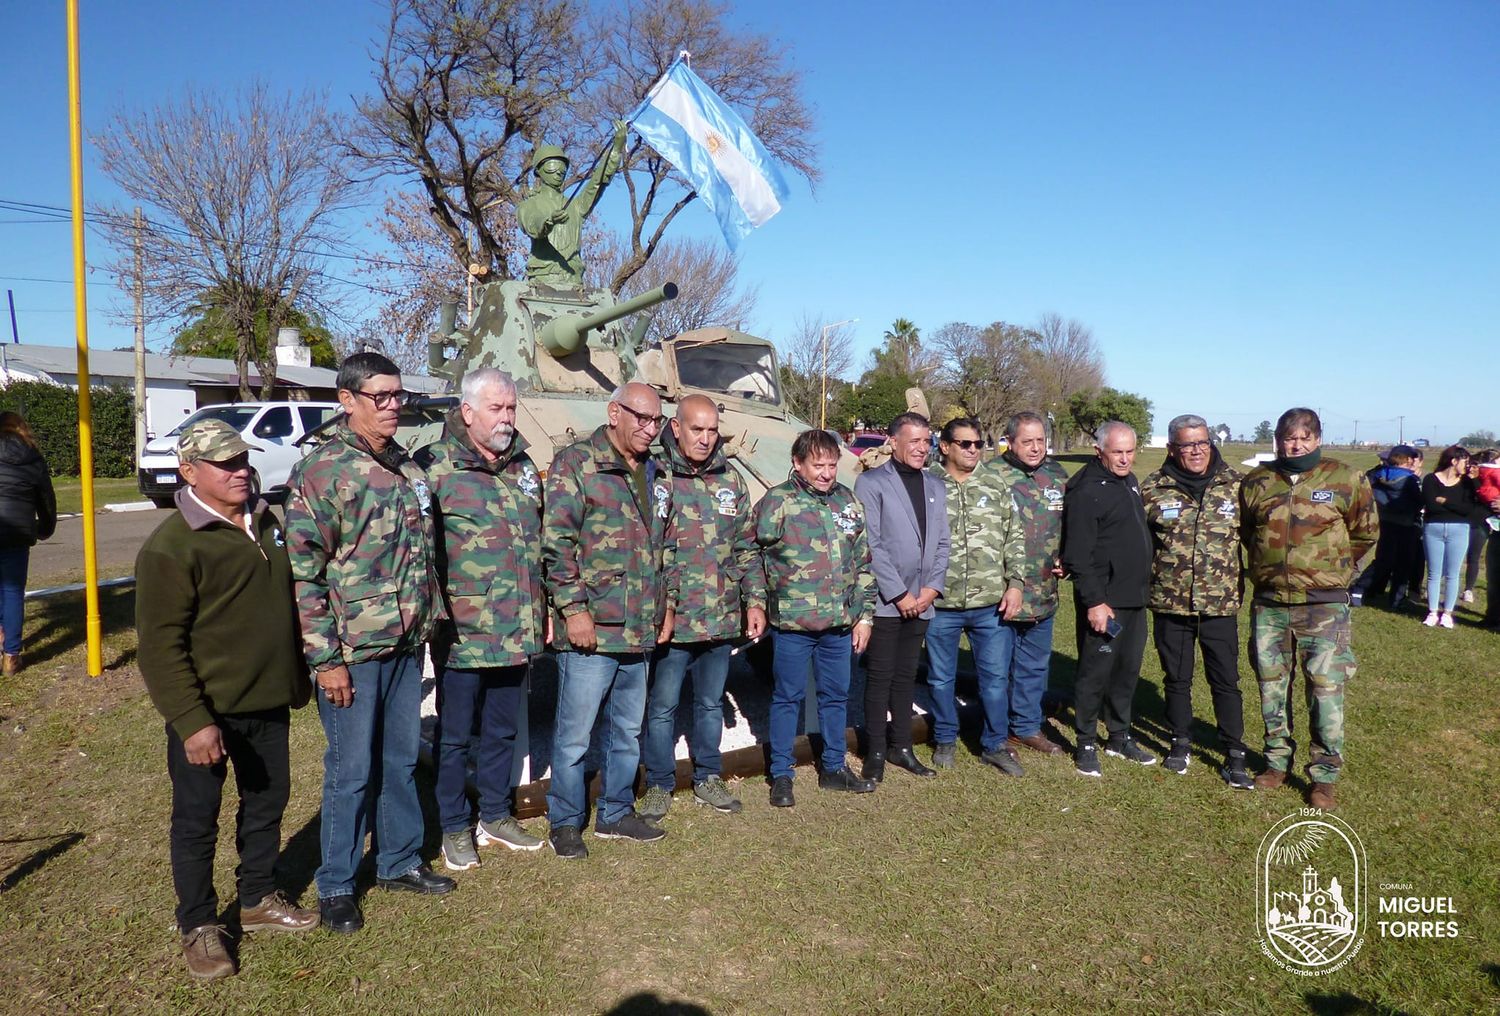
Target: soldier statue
555, 222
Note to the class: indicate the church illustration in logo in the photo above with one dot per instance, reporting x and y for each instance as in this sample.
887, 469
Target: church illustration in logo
1305, 924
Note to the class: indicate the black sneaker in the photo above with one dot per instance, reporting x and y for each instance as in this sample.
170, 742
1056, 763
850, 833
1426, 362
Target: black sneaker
1003, 761
1234, 771
843, 779
567, 843
1127, 749
1086, 760
1178, 758
630, 827
781, 793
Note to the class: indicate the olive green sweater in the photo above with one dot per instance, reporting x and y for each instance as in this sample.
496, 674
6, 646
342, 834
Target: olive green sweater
216, 619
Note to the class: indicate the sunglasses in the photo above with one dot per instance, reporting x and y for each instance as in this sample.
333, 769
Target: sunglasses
644, 419
968, 446
383, 399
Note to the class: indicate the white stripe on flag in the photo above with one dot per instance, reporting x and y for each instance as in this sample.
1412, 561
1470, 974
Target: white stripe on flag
750, 187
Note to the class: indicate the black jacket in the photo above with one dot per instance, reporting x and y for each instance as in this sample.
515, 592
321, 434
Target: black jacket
1106, 547
28, 508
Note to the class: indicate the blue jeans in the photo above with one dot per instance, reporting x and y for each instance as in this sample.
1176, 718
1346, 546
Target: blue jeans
495, 694
13, 562
369, 772
709, 664
831, 653
1030, 650
991, 659
585, 683
1447, 544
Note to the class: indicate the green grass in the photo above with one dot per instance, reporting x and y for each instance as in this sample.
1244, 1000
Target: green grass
69, 491
972, 893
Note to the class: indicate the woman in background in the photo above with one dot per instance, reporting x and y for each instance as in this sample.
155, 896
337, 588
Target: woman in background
1449, 506
28, 513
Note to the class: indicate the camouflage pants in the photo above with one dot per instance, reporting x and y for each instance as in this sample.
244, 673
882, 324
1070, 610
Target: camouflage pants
1316, 637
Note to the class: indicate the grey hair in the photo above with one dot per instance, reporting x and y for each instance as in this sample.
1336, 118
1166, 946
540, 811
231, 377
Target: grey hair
1187, 421
1015, 423
1106, 431
618, 395
475, 381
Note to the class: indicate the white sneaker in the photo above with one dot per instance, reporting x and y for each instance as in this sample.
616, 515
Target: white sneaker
1446, 620
1468, 596
1432, 619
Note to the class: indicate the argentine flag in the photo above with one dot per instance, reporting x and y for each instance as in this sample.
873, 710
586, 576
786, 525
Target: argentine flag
696, 131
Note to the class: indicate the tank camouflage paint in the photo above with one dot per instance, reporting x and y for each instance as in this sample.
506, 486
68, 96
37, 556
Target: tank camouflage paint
568, 349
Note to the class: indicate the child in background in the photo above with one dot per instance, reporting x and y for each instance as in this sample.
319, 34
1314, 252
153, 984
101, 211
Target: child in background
1487, 483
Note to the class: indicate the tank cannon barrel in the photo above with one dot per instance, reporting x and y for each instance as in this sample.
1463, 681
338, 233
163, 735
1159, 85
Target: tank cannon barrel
565, 334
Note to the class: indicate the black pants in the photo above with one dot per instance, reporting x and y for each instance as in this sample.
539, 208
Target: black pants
257, 745
1478, 536
1108, 670
890, 677
1175, 635
1492, 577
1396, 554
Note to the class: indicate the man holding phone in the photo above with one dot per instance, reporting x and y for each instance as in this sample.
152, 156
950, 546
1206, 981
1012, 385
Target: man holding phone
1106, 549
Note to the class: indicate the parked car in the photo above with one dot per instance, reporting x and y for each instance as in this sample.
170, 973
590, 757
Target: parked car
274, 427
863, 439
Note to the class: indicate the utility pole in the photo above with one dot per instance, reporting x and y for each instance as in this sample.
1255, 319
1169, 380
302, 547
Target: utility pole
1356, 433
140, 336
1401, 430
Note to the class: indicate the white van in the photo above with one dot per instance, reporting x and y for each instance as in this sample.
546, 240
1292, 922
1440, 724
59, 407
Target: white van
274, 427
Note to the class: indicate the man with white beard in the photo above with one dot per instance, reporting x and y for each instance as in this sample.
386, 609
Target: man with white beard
488, 499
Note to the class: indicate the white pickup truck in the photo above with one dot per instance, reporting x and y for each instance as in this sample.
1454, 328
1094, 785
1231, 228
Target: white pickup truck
274, 427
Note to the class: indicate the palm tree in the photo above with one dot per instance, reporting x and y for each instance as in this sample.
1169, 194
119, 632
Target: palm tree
902, 354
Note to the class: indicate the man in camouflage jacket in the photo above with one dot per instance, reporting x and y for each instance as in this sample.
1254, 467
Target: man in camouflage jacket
806, 562
1026, 490
1306, 522
1192, 509
710, 512
360, 535
603, 529
489, 502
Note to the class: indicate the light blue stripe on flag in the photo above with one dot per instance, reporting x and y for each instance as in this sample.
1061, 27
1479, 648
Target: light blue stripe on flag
696, 131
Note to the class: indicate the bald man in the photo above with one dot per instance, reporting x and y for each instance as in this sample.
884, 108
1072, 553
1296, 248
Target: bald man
604, 522
710, 510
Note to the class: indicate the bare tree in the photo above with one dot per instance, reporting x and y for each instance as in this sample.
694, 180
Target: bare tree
1065, 360
638, 40
708, 282
986, 371
241, 203
802, 363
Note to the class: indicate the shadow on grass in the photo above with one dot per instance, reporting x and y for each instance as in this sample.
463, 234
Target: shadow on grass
1345, 1004
61, 845
60, 625
648, 1003
1493, 969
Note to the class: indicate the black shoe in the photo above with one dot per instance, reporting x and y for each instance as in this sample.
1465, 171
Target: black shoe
1234, 770
420, 879
630, 827
781, 793
567, 843
1086, 760
907, 759
1127, 749
341, 914
1178, 758
874, 768
1003, 761
843, 779
943, 755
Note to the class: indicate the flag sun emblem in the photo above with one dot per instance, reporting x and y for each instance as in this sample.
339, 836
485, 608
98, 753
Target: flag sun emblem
713, 143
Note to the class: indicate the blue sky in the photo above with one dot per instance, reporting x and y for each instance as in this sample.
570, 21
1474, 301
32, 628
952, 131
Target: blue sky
1253, 206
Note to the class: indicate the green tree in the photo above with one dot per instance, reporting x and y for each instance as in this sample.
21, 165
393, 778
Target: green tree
1479, 439
1089, 409
1263, 432
879, 398
901, 353
210, 331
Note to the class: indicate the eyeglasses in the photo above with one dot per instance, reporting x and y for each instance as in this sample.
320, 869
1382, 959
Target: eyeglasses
644, 419
967, 446
1194, 446
383, 399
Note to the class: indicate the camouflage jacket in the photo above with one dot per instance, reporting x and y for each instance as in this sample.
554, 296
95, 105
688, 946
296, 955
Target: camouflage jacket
1029, 512
1303, 540
710, 511
807, 560
1195, 545
360, 535
976, 567
602, 548
490, 557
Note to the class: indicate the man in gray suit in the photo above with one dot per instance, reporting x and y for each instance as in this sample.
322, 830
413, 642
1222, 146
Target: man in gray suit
906, 519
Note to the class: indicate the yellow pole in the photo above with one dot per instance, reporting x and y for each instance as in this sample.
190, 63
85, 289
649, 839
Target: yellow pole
81, 320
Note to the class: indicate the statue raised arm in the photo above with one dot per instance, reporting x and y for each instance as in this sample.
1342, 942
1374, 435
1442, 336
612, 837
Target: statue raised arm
554, 222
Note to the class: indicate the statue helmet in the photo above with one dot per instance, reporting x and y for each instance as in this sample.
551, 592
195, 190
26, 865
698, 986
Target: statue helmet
541, 153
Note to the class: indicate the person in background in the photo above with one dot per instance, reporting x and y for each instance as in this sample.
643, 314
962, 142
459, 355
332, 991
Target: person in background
1398, 498
28, 513
1488, 490
1480, 527
1448, 507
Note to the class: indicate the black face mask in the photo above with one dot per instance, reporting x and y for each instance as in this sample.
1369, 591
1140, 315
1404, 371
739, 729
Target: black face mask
1299, 463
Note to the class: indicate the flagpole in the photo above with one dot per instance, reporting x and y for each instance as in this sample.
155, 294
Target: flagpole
92, 625
655, 85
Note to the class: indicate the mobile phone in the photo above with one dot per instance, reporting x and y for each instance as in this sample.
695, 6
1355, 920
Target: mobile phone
1112, 628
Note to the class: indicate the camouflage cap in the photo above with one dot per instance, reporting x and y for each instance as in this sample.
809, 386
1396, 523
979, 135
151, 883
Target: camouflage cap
213, 440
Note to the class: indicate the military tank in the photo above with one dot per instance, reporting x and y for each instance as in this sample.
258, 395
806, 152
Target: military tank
569, 347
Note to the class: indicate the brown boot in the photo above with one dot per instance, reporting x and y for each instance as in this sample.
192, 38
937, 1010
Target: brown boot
1271, 779
274, 913
207, 959
11, 665
1322, 796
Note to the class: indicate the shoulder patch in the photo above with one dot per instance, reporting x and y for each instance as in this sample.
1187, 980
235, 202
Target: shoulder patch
1322, 496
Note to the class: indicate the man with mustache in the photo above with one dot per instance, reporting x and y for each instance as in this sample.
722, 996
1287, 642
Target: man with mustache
488, 499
